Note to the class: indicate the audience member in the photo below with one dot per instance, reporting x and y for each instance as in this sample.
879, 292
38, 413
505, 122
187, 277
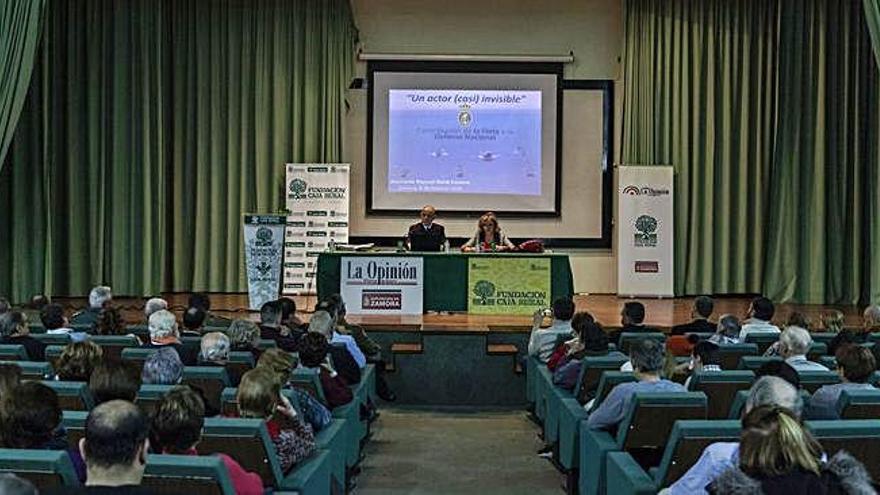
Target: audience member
871, 319
77, 361
14, 330
271, 328
176, 428
703, 307
855, 364
571, 348
648, 358
152, 305
109, 323
244, 335
4, 305
542, 341
194, 322
778, 455
11, 484
10, 377
163, 367
259, 396
30, 418
289, 318
590, 340
33, 308
164, 333
760, 313
870, 324
780, 369
214, 349
343, 362
720, 456
282, 363
727, 331
313, 355
114, 380
704, 358
52, 317
202, 301
833, 321
335, 337
632, 318
794, 343
99, 298
798, 319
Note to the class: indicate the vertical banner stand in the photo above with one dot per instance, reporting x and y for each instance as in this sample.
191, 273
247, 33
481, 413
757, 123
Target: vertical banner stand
263, 245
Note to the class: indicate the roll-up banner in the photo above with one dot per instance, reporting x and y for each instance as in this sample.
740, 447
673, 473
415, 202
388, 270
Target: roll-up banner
644, 231
317, 199
263, 245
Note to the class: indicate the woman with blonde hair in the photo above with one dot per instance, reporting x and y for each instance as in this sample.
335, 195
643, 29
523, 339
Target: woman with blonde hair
77, 361
777, 455
488, 237
282, 364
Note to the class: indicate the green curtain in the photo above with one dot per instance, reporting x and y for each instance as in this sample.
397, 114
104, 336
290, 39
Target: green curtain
151, 127
698, 95
20, 27
872, 17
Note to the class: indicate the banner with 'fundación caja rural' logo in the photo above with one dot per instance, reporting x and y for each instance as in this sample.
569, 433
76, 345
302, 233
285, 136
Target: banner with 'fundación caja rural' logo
317, 199
508, 285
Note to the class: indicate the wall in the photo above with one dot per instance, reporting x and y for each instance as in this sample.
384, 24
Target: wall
591, 29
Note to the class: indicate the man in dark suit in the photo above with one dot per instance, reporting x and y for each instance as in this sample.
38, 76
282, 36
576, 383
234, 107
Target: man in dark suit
703, 307
631, 318
272, 329
426, 235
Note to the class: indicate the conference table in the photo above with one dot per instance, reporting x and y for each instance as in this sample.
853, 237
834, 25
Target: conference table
445, 275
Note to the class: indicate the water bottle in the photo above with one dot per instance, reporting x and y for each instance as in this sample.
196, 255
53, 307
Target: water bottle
331, 245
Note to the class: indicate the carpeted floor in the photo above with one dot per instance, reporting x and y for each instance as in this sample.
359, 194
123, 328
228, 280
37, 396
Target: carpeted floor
425, 452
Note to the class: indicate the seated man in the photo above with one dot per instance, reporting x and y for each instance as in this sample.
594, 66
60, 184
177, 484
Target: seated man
632, 318
202, 301
271, 328
727, 331
794, 343
701, 312
289, 318
193, 322
163, 367
426, 235
52, 316
152, 305
98, 298
214, 350
164, 333
704, 357
760, 313
719, 456
647, 357
542, 341
855, 364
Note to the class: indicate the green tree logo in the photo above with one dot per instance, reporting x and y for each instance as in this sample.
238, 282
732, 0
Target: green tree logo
646, 231
298, 186
484, 290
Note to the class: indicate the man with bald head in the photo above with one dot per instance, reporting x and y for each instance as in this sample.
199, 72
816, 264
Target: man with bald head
426, 235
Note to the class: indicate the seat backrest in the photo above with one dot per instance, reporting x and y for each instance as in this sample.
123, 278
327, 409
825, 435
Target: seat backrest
859, 437
112, 345
60, 339
240, 362
762, 339
245, 440
307, 379
142, 331
267, 344
72, 396
75, 424
823, 337
754, 363
53, 352
591, 372
721, 388
648, 422
46, 469
829, 362
686, 443
627, 338
13, 352
33, 370
812, 380
859, 404
608, 381
730, 354
211, 380
149, 395
196, 475
817, 350
137, 355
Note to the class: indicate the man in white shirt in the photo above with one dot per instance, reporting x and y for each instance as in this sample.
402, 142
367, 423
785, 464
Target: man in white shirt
760, 313
794, 343
52, 317
542, 342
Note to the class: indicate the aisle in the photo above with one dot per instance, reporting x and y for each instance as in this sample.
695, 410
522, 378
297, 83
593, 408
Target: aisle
421, 452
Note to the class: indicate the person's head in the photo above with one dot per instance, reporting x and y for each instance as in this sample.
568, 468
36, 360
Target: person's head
154, 304
330, 307
488, 223
563, 308
280, 362
339, 303
855, 363
794, 341
10, 377
774, 391
728, 325
428, 214
214, 348
762, 309
52, 316
313, 349
114, 380
77, 361
270, 314
703, 307
13, 323
633, 313
833, 321
4, 305
194, 318
163, 367
177, 421
30, 415
243, 335
871, 316
258, 393
11, 484
798, 319
774, 443
199, 300
288, 308
163, 325
647, 356
705, 353
590, 333
779, 369
109, 322
38, 302
99, 296
115, 444
322, 322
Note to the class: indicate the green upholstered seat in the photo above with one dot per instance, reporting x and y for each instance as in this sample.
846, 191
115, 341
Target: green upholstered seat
112, 345
149, 395
859, 404
75, 424
13, 352
859, 437
627, 338
812, 380
731, 354
187, 474
829, 362
755, 362
591, 372
59, 339
762, 339
33, 370
823, 337
240, 362
721, 388
46, 469
607, 382
53, 352
267, 344
211, 380
72, 396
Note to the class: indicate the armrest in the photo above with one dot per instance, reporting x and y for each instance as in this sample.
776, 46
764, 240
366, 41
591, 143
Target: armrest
595, 444
312, 475
570, 416
626, 477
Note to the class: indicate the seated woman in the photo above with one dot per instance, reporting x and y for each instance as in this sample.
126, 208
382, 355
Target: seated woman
728, 330
77, 361
855, 364
176, 428
488, 236
14, 330
313, 355
259, 396
31, 419
281, 363
870, 324
590, 340
779, 456
244, 335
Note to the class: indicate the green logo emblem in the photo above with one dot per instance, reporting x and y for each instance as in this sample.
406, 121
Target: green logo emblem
646, 231
298, 186
484, 290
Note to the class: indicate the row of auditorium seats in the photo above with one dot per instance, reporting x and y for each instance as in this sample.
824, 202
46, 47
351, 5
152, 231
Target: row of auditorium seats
712, 407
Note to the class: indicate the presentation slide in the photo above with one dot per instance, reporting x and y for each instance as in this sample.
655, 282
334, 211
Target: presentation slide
464, 141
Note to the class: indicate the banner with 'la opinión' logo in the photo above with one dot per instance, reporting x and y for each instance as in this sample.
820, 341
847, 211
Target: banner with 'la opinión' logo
317, 198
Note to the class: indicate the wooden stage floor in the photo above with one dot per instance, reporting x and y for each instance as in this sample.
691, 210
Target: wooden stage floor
661, 313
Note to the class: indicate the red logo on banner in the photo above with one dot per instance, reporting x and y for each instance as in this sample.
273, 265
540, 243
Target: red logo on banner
647, 267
